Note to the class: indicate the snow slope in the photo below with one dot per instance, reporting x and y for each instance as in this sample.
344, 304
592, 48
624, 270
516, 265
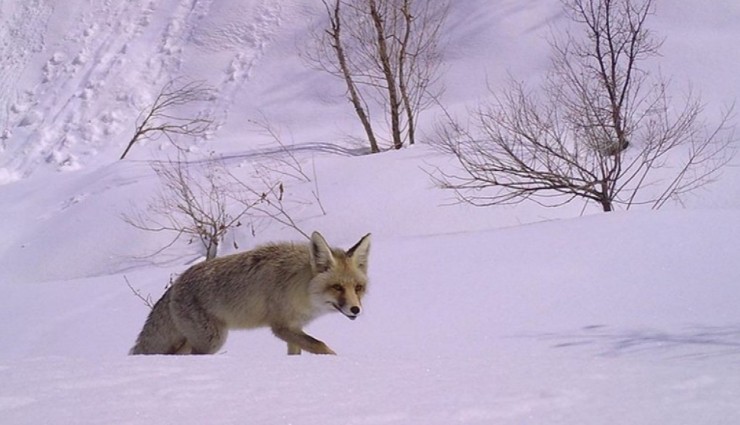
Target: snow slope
538, 324
507, 315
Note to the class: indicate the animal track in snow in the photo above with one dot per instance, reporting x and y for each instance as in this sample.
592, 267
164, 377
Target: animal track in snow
67, 91
248, 39
21, 34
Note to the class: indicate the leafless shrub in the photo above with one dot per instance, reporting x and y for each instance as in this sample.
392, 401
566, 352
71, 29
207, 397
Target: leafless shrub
196, 206
602, 130
202, 201
162, 117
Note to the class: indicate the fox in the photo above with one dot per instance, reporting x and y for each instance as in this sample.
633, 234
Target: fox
283, 286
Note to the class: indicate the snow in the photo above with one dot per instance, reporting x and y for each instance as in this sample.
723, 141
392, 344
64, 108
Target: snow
504, 315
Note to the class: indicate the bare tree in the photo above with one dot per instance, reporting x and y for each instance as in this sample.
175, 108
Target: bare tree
388, 54
601, 130
162, 117
196, 206
204, 200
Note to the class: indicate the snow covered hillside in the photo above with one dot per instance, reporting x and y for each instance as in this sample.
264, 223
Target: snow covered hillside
503, 315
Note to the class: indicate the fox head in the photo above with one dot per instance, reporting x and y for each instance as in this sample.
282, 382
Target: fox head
340, 276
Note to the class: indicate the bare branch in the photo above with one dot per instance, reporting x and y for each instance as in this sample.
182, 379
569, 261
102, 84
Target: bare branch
162, 117
137, 292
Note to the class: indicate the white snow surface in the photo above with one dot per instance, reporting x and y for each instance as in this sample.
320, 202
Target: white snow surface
502, 315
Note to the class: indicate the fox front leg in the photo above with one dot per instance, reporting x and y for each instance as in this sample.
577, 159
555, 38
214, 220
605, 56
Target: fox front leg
298, 340
293, 349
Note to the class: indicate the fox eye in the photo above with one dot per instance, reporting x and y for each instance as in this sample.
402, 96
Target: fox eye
359, 288
337, 288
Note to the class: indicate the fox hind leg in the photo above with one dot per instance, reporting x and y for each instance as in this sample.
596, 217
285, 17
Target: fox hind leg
181, 348
204, 334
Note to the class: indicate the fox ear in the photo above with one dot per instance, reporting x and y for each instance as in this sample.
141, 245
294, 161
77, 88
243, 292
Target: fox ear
360, 253
321, 256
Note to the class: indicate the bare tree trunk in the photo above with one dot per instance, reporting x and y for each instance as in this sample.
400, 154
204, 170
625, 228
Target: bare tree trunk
390, 79
402, 78
605, 197
212, 249
335, 34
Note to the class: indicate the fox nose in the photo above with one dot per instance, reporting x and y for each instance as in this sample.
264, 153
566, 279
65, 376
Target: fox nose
355, 310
